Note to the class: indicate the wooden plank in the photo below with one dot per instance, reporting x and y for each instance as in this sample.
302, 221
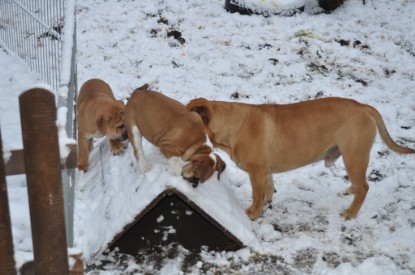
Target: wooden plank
15, 165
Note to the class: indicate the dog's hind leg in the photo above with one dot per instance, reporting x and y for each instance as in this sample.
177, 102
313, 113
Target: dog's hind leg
356, 159
270, 188
90, 145
360, 187
136, 140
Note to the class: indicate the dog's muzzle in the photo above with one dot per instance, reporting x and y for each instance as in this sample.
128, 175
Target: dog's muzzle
195, 181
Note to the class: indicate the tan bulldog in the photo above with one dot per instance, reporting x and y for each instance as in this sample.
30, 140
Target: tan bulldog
99, 114
179, 134
271, 138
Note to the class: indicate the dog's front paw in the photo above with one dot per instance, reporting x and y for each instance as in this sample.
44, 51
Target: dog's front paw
144, 166
253, 213
117, 147
348, 214
83, 167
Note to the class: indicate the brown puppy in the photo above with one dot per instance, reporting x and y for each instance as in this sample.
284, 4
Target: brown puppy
179, 134
99, 114
271, 138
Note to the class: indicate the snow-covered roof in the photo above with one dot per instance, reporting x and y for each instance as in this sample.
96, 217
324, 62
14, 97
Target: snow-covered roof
114, 192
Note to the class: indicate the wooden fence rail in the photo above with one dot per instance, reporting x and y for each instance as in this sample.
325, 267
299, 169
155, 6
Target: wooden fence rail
15, 165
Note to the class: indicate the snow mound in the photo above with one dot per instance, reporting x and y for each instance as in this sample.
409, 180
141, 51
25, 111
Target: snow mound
265, 7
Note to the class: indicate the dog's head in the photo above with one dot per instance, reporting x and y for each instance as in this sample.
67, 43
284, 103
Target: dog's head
111, 121
200, 106
201, 167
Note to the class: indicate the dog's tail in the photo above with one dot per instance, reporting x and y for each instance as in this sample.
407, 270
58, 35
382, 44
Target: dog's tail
144, 87
384, 134
147, 85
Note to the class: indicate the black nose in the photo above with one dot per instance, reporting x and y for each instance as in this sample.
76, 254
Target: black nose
194, 180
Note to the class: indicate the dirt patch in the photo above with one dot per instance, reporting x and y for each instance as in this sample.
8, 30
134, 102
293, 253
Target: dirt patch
305, 259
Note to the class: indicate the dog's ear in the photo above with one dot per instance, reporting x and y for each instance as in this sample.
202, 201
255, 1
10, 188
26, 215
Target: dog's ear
220, 165
203, 113
198, 105
121, 115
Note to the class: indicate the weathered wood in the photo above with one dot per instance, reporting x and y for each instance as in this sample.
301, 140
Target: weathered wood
43, 173
15, 165
7, 263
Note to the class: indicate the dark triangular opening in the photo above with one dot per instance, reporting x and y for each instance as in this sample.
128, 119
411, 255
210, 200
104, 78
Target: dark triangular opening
173, 218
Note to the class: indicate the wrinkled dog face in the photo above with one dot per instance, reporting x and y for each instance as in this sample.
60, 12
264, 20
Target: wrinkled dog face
112, 123
202, 167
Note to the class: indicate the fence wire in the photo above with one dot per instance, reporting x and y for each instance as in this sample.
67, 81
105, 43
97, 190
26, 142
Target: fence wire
32, 30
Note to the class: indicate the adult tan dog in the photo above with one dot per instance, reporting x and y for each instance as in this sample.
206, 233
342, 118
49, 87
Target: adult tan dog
271, 138
179, 134
99, 114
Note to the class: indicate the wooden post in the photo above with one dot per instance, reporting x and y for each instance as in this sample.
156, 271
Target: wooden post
7, 263
42, 163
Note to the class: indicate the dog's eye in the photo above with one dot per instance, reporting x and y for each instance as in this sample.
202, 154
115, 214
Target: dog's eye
120, 126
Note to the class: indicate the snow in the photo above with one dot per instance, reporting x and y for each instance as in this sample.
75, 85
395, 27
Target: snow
365, 52
268, 7
64, 140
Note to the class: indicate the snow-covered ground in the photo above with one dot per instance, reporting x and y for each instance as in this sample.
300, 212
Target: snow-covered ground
365, 50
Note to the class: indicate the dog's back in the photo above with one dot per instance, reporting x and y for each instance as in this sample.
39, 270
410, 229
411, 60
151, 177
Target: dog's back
157, 115
93, 88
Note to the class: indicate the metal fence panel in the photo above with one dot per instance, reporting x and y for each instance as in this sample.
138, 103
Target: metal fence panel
32, 30
42, 33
